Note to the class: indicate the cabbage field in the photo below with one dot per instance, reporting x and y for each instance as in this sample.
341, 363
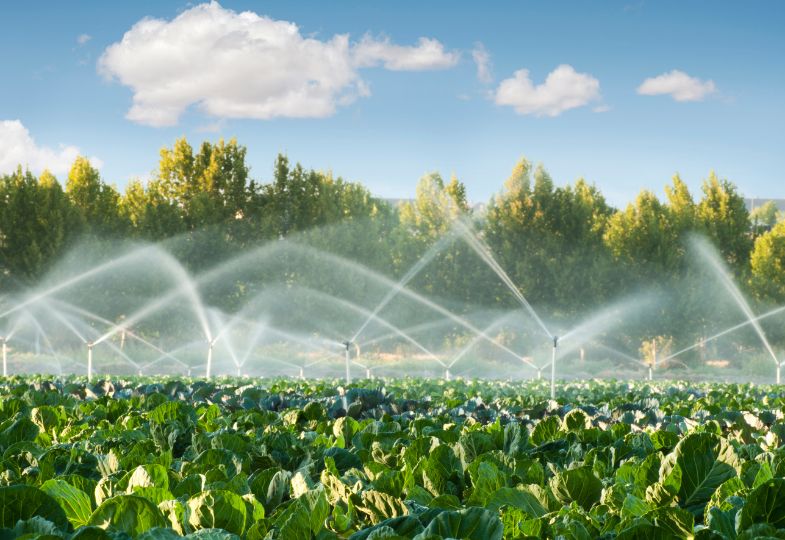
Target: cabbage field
157, 459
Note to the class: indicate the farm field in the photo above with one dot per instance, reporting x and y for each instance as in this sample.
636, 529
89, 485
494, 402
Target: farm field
386, 459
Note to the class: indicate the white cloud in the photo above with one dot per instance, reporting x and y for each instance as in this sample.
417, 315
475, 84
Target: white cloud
482, 60
17, 147
678, 85
563, 89
427, 54
83, 38
243, 65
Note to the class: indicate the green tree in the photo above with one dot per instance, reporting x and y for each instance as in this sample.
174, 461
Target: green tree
151, 214
434, 208
298, 200
549, 239
723, 216
764, 217
36, 224
96, 202
681, 205
767, 264
643, 236
210, 187
426, 233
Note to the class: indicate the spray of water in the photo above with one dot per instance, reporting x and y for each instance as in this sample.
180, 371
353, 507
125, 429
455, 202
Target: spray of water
407, 277
101, 268
727, 331
484, 252
709, 255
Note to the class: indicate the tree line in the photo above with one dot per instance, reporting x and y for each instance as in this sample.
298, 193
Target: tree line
565, 247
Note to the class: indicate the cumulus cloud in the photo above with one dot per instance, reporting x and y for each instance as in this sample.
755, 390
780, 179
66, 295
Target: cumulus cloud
83, 38
678, 85
244, 65
17, 147
563, 89
426, 55
482, 59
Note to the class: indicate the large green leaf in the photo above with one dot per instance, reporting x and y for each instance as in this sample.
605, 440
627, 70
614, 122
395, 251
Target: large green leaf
150, 475
470, 524
765, 504
519, 498
218, 509
38, 528
22, 502
75, 502
212, 534
703, 461
380, 506
578, 485
18, 430
406, 526
128, 513
158, 533
442, 472
546, 430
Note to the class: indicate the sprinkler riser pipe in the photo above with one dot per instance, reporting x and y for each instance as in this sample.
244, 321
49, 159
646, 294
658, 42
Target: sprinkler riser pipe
89, 362
209, 367
368, 374
5, 358
348, 344
302, 373
779, 366
446, 374
553, 367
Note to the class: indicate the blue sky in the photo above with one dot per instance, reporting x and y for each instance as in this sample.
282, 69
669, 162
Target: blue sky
387, 108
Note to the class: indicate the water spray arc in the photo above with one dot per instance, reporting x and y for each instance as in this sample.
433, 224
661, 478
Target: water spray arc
727, 281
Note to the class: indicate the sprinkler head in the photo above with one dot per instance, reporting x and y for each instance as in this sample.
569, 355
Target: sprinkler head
90, 344
347, 344
555, 341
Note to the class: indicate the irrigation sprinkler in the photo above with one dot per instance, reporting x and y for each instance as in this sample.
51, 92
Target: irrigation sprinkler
209, 359
302, 373
90, 346
447, 374
5, 358
348, 345
653, 363
553, 367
